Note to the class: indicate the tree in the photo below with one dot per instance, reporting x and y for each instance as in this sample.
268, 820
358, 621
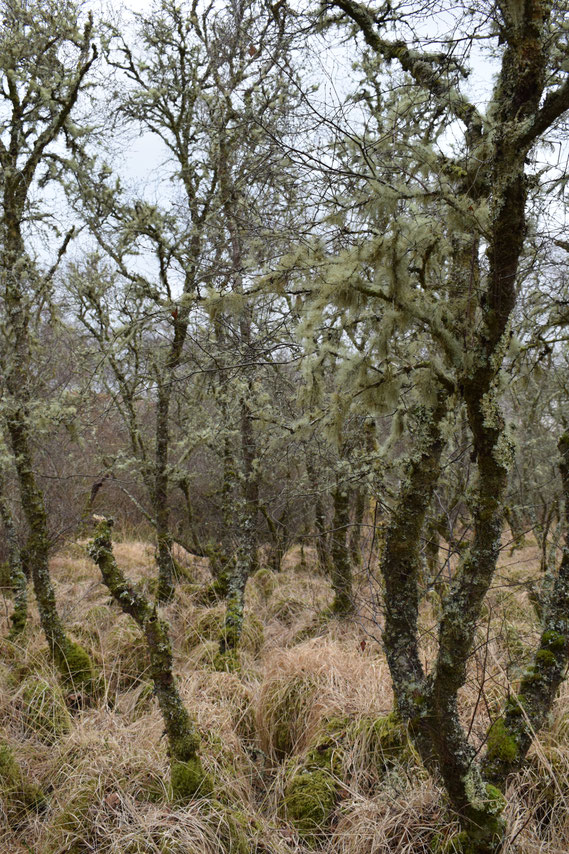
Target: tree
46, 56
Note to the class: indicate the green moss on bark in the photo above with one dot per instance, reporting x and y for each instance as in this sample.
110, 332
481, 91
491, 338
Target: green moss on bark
75, 665
501, 745
187, 774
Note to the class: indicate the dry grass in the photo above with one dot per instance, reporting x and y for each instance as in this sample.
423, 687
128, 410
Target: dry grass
105, 776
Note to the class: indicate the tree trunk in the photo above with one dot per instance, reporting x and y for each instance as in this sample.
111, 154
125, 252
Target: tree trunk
341, 567
71, 659
161, 511
360, 501
18, 580
188, 778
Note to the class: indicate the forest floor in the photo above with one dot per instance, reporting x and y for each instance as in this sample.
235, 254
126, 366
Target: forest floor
301, 745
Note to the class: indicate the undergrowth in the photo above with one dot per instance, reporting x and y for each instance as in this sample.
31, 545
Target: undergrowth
302, 745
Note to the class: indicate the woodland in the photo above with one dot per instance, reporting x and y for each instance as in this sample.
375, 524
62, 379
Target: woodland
284, 430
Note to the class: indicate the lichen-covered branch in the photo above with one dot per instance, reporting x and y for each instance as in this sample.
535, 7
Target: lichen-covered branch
188, 778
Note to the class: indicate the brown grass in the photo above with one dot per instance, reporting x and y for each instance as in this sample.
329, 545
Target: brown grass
106, 779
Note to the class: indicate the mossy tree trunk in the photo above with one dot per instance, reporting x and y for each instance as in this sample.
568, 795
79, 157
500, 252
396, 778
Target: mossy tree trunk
188, 778
161, 494
401, 558
18, 580
56, 62
341, 565
319, 517
355, 539
246, 560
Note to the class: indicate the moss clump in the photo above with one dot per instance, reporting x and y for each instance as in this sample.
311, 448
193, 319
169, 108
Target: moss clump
501, 745
379, 745
188, 780
227, 662
311, 792
387, 736
45, 713
545, 658
19, 796
74, 664
496, 802
502, 750
554, 641
70, 825
230, 827
310, 799
264, 581
457, 844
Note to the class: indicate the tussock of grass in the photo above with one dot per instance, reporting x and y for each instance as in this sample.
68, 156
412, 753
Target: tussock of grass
310, 680
402, 819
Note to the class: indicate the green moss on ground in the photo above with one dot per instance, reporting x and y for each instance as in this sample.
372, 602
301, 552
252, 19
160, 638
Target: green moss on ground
19, 796
69, 828
310, 799
188, 780
44, 711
